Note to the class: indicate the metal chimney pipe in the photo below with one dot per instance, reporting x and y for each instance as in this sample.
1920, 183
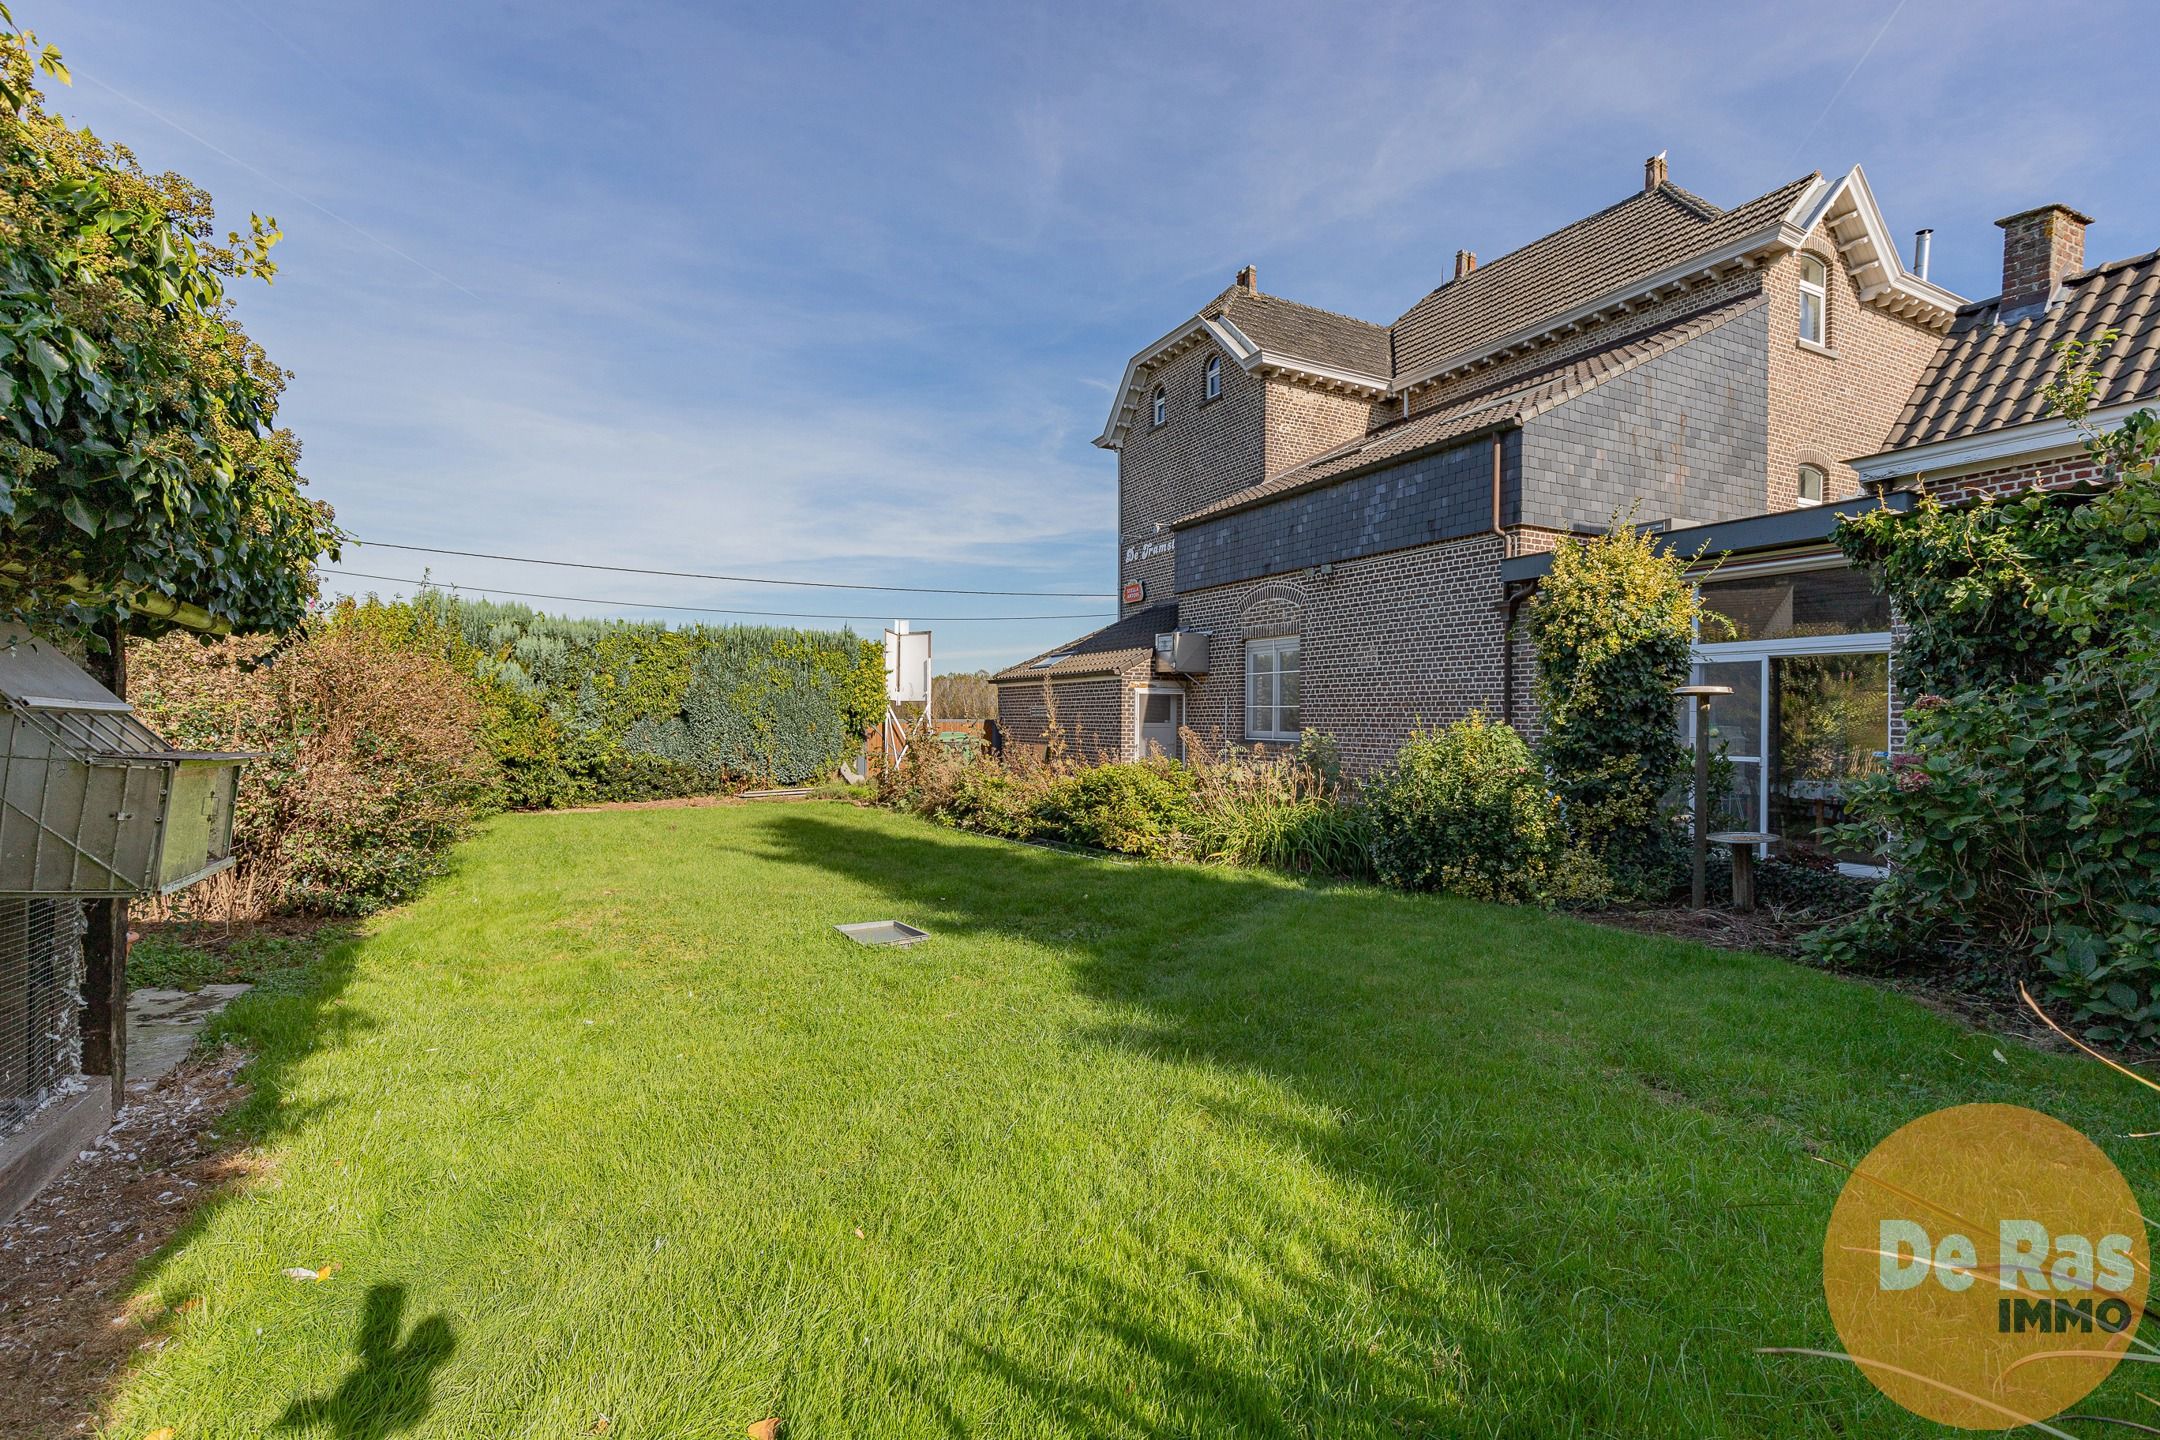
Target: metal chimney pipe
1923, 249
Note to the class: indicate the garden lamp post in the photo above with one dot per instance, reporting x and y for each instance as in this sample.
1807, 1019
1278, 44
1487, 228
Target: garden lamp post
1702, 695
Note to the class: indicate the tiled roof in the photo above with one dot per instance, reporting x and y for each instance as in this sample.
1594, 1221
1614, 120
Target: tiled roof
1991, 376
1518, 400
1321, 336
1647, 233
1105, 652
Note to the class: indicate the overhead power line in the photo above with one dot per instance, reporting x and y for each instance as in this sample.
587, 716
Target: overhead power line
690, 609
743, 579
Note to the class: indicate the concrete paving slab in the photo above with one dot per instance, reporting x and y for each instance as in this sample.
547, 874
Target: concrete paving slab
163, 1024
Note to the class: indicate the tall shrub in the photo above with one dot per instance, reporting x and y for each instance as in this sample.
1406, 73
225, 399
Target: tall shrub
1464, 809
606, 709
2023, 821
372, 762
1613, 624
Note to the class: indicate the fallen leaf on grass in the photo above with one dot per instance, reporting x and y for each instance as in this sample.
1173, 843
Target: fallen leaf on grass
859, 1235
600, 1426
163, 1432
766, 1429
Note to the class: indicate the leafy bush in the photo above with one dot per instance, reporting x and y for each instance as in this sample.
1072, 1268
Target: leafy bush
1464, 809
588, 710
1278, 812
142, 470
1614, 623
1140, 807
373, 762
2024, 819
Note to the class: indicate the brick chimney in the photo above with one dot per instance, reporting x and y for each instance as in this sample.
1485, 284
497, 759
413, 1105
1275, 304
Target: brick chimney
1653, 171
1465, 262
1248, 279
2040, 248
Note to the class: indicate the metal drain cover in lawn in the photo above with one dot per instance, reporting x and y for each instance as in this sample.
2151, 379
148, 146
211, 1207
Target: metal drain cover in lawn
883, 932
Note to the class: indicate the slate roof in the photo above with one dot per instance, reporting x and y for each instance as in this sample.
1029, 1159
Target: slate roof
1991, 376
1107, 651
1650, 231
1518, 400
1321, 336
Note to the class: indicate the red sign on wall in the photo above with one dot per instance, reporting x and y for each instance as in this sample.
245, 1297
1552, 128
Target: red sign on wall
1135, 592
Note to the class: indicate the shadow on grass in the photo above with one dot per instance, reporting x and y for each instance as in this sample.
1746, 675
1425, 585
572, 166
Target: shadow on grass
293, 1011
1167, 949
393, 1386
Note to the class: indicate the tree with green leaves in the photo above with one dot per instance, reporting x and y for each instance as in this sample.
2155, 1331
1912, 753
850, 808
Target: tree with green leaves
144, 479
1614, 625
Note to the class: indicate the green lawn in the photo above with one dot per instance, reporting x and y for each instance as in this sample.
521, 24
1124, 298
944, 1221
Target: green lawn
610, 1123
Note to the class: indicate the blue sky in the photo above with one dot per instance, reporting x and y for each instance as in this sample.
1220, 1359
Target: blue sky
818, 292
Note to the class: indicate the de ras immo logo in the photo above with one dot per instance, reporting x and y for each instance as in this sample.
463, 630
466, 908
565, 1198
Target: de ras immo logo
1986, 1266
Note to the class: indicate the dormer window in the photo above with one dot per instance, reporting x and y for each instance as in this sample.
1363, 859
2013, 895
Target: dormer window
1814, 300
1214, 376
1810, 490
1161, 405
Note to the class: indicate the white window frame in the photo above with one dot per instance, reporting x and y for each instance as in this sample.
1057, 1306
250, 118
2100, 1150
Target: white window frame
1160, 406
1275, 645
1139, 718
1211, 378
1822, 474
1820, 290
1866, 642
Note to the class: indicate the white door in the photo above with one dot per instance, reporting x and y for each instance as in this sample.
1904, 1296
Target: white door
1162, 714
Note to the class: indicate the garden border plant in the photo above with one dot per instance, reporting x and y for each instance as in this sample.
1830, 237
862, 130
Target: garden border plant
2022, 823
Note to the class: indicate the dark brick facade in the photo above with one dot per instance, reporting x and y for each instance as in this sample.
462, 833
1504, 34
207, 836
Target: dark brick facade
1432, 498
1386, 643
1093, 714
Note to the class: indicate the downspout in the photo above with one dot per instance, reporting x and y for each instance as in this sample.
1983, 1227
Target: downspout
1507, 615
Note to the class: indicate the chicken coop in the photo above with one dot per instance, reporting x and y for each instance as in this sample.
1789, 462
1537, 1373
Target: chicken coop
93, 806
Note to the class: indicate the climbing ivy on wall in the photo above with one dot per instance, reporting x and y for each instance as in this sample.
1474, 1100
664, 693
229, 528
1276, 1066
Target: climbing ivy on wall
2022, 823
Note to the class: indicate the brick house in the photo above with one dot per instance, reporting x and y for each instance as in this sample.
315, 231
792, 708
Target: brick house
1811, 651
1334, 521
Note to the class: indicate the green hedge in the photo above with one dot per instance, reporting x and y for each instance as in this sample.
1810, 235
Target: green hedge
585, 710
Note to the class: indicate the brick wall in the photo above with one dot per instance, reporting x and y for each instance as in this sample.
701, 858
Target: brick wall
1094, 713
1303, 422
2049, 472
1204, 450
1681, 436
1826, 409
1207, 449
1386, 643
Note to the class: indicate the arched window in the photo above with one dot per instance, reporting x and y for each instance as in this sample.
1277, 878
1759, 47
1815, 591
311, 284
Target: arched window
1162, 405
1810, 491
1814, 299
1214, 376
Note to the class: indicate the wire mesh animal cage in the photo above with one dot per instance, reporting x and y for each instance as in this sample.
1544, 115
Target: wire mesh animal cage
41, 957
93, 805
